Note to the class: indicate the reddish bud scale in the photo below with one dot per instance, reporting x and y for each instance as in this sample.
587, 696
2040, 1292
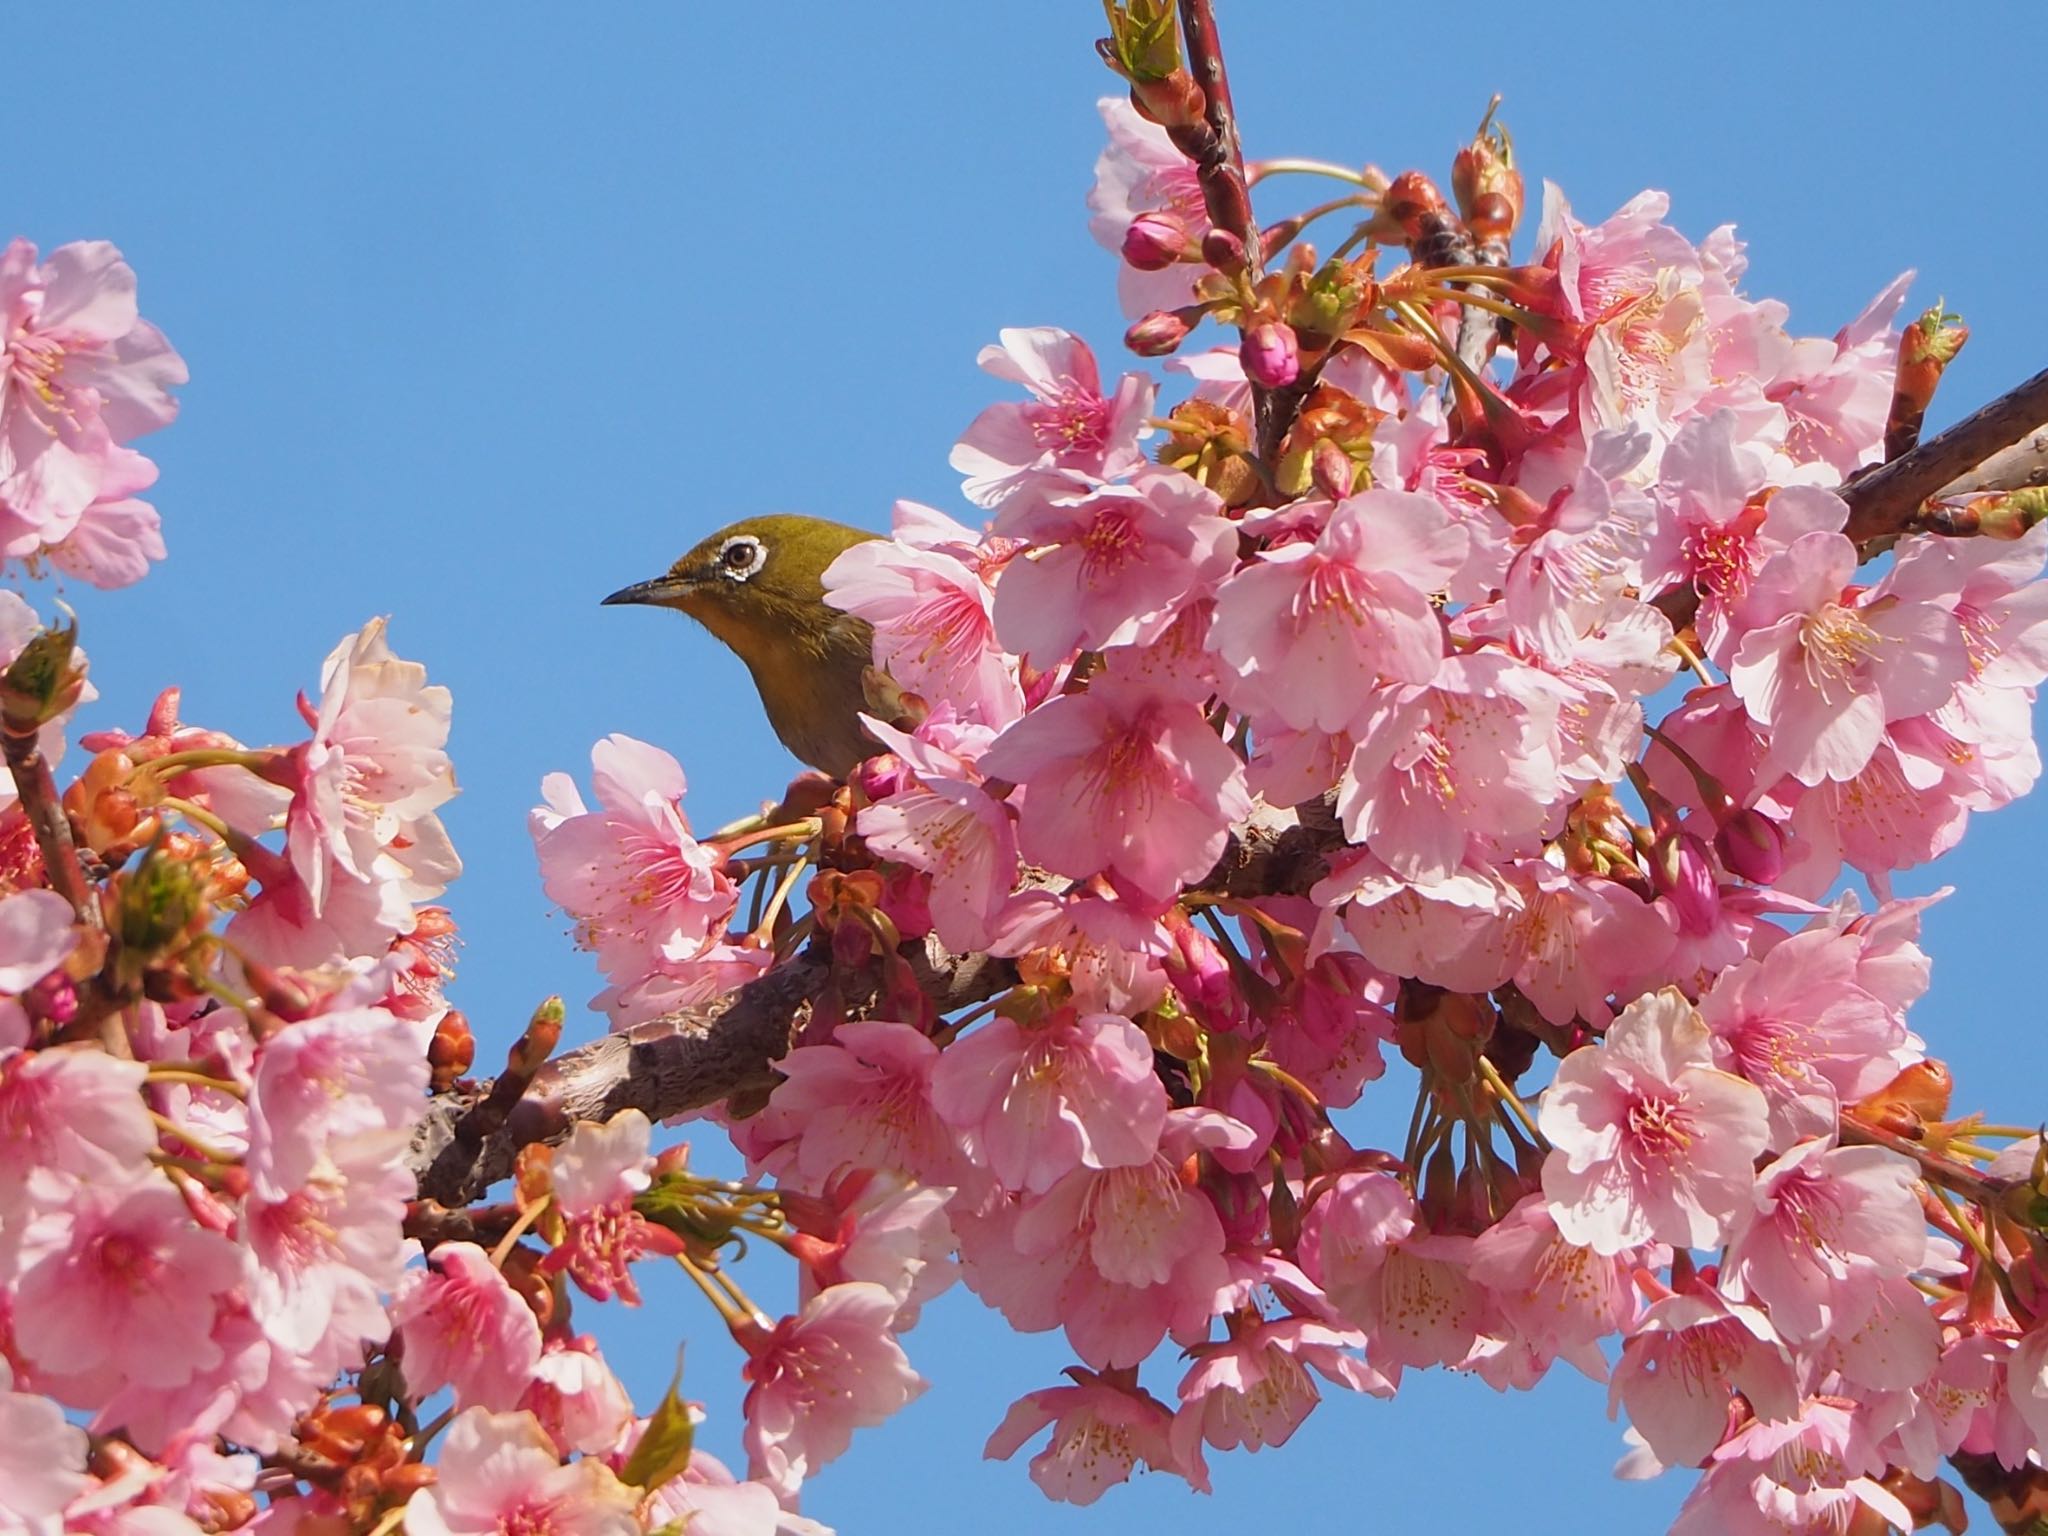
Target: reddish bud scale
1162, 331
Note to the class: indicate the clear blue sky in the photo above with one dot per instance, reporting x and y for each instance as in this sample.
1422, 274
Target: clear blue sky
493, 310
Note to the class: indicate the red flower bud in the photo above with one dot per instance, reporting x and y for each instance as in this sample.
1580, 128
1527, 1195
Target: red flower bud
1752, 846
1271, 355
1224, 251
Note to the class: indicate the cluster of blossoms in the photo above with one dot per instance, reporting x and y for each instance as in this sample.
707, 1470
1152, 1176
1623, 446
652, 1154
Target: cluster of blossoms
82, 375
1473, 661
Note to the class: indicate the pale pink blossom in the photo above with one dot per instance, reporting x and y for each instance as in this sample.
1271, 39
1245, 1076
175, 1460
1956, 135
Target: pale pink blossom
831, 1369
42, 1461
1823, 1226
639, 886
331, 1076
577, 1398
79, 372
947, 825
71, 1112
1127, 1255
1306, 631
933, 613
1678, 1366
1254, 1389
1575, 557
1070, 428
596, 1174
1037, 1102
863, 1100
1108, 565
1650, 1141
1821, 669
1796, 1024
463, 1326
1467, 760
1558, 1297
1141, 172
1103, 1426
710, 1501
500, 1476
365, 787
1836, 394
1572, 941
1816, 1472
1120, 779
895, 1235
116, 536
120, 1285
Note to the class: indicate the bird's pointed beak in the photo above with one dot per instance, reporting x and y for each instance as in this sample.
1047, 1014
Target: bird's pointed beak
662, 591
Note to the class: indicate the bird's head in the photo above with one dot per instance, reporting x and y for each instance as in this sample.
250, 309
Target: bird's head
753, 581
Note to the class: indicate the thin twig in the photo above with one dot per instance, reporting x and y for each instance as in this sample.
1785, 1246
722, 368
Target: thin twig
37, 789
1884, 502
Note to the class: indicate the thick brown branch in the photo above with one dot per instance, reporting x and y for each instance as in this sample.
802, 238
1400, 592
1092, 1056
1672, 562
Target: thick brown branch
1884, 502
2018, 1496
666, 1067
1956, 1177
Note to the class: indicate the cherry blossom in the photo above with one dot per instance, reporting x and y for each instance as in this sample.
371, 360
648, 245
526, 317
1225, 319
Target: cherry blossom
499, 1473
1072, 428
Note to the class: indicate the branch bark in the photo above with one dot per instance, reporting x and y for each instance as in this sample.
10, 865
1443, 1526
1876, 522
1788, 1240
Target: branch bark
1884, 502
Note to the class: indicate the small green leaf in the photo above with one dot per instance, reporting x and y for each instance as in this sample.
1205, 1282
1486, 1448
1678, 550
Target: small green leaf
664, 1449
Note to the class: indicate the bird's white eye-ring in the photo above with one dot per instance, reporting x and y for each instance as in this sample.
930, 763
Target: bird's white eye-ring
741, 556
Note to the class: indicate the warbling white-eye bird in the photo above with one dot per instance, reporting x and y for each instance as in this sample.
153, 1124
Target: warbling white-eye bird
759, 586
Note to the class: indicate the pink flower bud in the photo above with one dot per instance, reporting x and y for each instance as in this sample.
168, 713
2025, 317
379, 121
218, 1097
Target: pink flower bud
1156, 241
1681, 869
1270, 354
1752, 846
1161, 331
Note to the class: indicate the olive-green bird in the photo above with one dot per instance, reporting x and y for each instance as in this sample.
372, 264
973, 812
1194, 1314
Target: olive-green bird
759, 587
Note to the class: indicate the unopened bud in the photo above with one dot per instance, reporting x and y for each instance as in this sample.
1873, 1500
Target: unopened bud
1162, 331
1271, 355
451, 1051
1332, 469
1224, 251
1156, 240
43, 682
159, 907
1752, 846
1681, 870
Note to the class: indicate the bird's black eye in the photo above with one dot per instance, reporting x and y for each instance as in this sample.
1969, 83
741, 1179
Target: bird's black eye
741, 556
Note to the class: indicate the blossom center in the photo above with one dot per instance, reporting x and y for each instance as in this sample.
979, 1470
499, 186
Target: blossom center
1660, 1129
1072, 420
1836, 642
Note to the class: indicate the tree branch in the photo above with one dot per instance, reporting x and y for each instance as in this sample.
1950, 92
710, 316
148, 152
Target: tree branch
1219, 160
37, 789
1884, 502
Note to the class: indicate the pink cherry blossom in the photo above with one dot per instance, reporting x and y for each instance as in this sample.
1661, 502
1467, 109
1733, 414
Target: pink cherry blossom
1306, 630
1071, 428
933, 613
1469, 758
331, 1076
1076, 1091
365, 788
116, 536
1796, 1024
833, 1368
1575, 557
864, 1100
1684, 1356
121, 1285
577, 1398
1120, 779
1254, 1389
895, 1235
499, 1474
639, 886
1103, 1426
1558, 1297
1823, 1226
1649, 1139
1139, 172
1837, 393
1822, 669
42, 1462
462, 1325
79, 371
1108, 565
1815, 1472
596, 1174
948, 825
